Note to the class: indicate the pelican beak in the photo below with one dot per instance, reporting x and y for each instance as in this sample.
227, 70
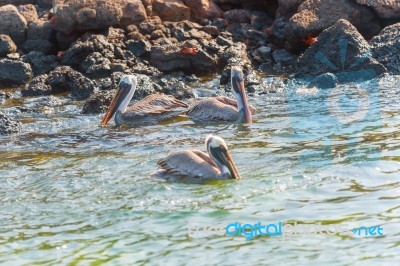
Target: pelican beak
227, 158
242, 93
116, 102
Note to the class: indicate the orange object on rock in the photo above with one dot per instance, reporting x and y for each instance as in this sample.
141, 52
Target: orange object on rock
310, 40
189, 51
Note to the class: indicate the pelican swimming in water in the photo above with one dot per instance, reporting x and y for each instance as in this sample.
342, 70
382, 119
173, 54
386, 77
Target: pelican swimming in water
149, 111
197, 166
223, 108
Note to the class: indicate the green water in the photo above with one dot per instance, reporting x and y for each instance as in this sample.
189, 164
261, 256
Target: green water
72, 193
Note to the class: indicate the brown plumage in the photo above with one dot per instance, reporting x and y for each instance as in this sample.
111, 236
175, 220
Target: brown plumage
224, 109
151, 110
218, 108
197, 166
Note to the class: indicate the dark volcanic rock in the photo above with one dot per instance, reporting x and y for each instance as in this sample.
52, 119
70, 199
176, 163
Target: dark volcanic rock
7, 46
37, 87
339, 48
40, 62
284, 57
12, 23
169, 58
64, 78
14, 73
78, 52
314, 16
7, 125
96, 66
386, 48
98, 102
138, 47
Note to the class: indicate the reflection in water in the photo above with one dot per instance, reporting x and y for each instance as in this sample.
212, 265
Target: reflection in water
74, 193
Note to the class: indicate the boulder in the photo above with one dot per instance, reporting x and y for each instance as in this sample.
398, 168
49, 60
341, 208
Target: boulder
40, 62
44, 46
171, 10
98, 102
77, 15
12, 23
386, 9
78, 52
7, 125
386, 48
188, 57
203, 9
14, 73
286, 7
314, 16
339, 48
64, 78
37, 87
29, 13
133, 12
7, 46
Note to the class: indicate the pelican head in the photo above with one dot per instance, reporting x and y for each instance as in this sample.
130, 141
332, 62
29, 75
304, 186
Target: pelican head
126, 89
218, 151
237, 82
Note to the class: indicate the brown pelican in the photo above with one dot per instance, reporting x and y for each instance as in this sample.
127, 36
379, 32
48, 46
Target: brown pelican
149, 111
197, 166
223, 108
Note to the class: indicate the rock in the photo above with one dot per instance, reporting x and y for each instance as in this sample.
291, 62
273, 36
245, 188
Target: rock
286, 7
171, 10
145, 87
203, 9
76, 15
37, 87
237, 16
139, 47
7, 46
262, 54
78, 52
40, 62
12, 23
7, 125
29, 13
133, 12
64, 78
314, 16
96, 66
38, 45
339, 48
14, 73
175, 84
284, 57
386, 48
148, 26
169, 58
324, 81
98, 102
234, 56
40, 30
16, 2
86, 15
386, 9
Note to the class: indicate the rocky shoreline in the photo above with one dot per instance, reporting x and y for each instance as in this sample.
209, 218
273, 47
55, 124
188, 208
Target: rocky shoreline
83, 47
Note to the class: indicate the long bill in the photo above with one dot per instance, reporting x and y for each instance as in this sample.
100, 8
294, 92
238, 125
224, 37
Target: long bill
242, 93
222, 156
115, 103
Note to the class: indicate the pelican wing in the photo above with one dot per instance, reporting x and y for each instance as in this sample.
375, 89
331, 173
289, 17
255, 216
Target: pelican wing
213, 109
232, 102
190, 163
156, 104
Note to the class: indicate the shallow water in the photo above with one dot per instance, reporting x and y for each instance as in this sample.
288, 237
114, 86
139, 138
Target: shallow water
73, 193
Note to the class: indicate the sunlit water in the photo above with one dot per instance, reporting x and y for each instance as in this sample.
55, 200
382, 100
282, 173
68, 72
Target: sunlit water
73, 193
